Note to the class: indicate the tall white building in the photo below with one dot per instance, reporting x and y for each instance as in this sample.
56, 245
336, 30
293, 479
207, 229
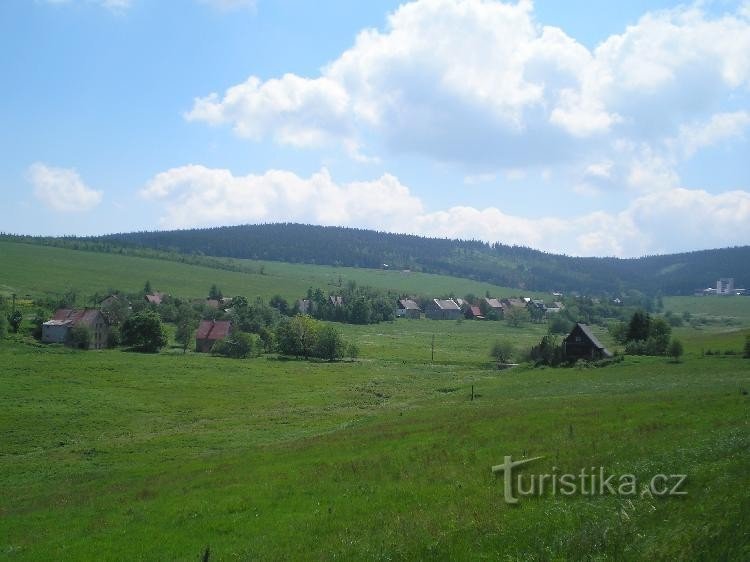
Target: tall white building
725, 286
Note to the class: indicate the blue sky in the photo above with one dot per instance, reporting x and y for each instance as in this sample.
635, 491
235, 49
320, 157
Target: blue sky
617, 131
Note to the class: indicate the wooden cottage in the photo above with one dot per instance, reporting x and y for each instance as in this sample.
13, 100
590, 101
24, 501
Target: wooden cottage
581, 343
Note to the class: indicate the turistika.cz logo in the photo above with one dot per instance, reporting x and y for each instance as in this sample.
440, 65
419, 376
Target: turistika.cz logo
588, 482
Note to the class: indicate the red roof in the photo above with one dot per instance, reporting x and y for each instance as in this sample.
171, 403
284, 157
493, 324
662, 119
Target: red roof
87, 317
475, 311
213, 329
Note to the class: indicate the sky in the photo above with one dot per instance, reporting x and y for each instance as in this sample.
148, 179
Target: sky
620, 130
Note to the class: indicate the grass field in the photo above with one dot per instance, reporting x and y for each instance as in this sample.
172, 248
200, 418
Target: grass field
113, 455
33, 270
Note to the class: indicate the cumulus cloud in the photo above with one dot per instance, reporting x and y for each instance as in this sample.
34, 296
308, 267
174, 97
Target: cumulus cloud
485, 84
667, 220
62, 189
196, 195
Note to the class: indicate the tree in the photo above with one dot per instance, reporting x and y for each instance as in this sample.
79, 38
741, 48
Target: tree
186, 324
297, 336
147, 288
638, 328
280, 303
330, 344
747, 346
80, 337
658, 337
501, 351
144, 332
676, 350
215, 293
352, 351
15, 320
238, 345
3, 326
516, 316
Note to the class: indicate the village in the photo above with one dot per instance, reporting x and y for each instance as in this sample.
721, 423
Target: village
217, 319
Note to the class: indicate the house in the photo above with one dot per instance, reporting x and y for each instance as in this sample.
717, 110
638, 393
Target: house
209, 332
59, 328
474, 312
408, 308
443, 309
513, 303
461, 302
304, 306
155, 298
725, 286
495, 305
581, 343
115, 308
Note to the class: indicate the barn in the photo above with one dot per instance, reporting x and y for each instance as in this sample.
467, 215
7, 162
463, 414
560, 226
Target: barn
581, 343
443, 309
58, 329
209, 332
408, 308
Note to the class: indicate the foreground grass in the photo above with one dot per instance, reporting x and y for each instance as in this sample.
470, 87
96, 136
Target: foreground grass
113, 455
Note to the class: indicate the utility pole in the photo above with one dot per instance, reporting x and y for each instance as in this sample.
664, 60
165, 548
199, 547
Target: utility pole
14, 304
433, 348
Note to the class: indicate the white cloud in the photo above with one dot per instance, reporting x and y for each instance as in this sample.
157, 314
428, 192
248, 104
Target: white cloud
483, 83
295, 111
62, 189
672, 219
719, 127
196, 195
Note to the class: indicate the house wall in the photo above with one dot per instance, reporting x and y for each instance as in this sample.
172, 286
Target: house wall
435, 313
55, 334
204, 345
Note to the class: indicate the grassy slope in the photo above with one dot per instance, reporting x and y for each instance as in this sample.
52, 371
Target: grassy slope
112, 455
26, 268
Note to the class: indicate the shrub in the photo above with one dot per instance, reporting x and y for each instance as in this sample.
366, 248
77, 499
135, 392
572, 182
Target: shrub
80, 337
144, 332
330, 344
501, 351
238, 345
676, 350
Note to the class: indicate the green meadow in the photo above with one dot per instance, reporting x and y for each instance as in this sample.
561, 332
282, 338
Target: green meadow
27, 269
112, 455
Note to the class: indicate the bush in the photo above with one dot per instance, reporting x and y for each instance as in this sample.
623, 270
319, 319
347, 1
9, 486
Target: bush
144, 332
303, 336
516, 316
501, 351
675, 350
559, 325
3, 326
238, 345
80, 337
330, 344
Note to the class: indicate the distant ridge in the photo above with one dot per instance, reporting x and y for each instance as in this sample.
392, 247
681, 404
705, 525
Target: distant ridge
501, 264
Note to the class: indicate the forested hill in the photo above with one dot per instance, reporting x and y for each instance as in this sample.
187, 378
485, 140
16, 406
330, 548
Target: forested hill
500, 264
